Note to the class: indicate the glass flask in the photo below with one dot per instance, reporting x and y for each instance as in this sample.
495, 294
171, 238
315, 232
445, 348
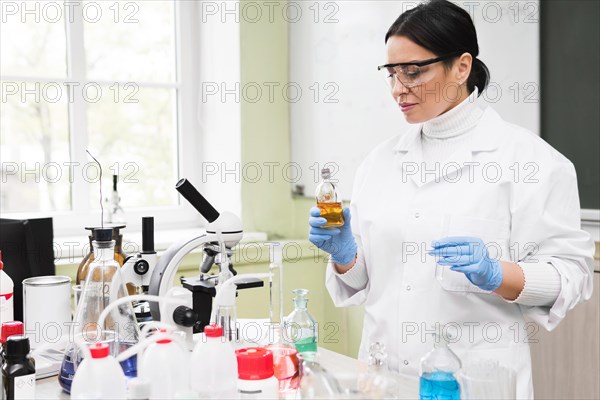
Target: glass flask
300, 327
89, 257
315, 381
438, 369
378, 382
103, 284
327, 201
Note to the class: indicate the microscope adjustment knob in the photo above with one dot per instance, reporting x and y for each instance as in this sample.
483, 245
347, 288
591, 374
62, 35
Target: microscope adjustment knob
185, 316
141, 267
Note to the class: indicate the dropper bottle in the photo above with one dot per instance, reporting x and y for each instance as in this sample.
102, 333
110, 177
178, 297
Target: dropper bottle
300, 326
377, 382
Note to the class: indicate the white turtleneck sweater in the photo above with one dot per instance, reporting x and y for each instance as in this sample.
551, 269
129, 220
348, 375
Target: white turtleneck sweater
440, 137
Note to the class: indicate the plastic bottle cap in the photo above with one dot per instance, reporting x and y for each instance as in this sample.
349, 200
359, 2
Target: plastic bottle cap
11, 328
99, 350
17, 346
213, 330
102, 234
163, 341
254, 363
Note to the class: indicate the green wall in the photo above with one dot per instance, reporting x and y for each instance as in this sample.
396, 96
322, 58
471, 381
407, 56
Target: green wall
269, 206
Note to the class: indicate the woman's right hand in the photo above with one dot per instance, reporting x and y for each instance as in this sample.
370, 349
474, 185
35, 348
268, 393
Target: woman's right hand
339, 242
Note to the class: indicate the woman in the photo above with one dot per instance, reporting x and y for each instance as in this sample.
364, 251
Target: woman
465, 222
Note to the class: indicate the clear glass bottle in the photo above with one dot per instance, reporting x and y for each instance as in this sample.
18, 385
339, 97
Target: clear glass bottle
327, 201
103, 285
114, 212
378, 382
438, 369
300, 326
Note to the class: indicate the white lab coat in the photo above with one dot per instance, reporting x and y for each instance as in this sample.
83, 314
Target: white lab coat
514, 192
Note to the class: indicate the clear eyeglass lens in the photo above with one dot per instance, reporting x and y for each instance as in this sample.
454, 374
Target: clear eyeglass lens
409, 76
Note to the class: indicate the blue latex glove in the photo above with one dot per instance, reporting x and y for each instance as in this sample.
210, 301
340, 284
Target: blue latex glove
469, 256
339, 242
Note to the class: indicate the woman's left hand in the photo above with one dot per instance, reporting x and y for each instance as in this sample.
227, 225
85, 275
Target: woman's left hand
469, 255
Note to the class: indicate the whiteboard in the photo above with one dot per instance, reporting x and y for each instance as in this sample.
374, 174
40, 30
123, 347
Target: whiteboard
345, 108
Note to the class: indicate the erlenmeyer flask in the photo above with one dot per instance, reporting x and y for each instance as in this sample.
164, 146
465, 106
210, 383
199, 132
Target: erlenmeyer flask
103, 285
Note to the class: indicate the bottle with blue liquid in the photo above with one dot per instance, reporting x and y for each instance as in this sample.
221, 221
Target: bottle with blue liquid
103, 285
438, 369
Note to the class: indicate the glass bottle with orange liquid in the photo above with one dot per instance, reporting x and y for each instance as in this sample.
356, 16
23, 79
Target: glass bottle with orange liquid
327, 201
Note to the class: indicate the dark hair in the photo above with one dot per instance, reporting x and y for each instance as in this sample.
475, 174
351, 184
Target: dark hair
443, 28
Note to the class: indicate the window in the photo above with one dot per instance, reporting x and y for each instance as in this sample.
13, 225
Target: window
99, 75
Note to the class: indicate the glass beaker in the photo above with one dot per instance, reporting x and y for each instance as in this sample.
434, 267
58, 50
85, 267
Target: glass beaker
102, 286
285, 367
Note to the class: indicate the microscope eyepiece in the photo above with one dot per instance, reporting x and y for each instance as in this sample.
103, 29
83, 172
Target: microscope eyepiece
189, 192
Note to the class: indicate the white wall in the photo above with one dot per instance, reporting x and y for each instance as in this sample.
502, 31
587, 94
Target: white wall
334, 51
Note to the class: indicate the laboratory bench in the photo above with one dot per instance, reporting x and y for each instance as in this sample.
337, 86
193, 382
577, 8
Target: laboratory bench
48, 388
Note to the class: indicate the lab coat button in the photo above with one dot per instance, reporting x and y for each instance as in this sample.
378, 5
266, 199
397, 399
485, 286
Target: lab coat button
405, 362
408, 287
417, 215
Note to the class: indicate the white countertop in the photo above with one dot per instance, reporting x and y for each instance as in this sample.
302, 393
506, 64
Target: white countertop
48, 388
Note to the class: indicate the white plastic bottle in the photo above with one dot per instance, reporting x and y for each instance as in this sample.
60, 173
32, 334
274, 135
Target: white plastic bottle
213, 367
255, 374
99, 376
6, 295
165, 365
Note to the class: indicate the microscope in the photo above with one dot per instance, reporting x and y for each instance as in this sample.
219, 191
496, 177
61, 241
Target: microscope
223, 232
138, 268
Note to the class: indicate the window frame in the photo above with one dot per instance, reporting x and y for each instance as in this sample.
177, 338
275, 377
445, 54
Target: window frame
188, 138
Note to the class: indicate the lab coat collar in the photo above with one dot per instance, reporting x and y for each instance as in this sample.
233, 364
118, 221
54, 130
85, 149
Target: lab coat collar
409, 156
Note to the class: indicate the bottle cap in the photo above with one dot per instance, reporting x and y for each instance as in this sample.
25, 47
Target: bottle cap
163, 341
17, 346
102, 234
138, 389
213, 330
254, 363
114, 227
11, 328
99, 350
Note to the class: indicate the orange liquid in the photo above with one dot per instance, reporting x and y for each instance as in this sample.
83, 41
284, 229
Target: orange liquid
333, 213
